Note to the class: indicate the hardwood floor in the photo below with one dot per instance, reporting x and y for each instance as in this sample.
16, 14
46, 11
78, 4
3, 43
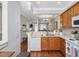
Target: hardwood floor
45, 54
40, 53
24, 46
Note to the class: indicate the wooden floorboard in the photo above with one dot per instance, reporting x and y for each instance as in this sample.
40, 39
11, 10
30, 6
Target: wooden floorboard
40, 53
45, 54
24, 46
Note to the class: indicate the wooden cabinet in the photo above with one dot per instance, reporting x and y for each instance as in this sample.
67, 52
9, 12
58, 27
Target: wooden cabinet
76, 9
54, 44
71, 11
66, 17
63, 48
57, 44
64, 20
69, 18
51, 44
44, 43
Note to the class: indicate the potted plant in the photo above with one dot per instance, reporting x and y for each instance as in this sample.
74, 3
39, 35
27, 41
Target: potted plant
75, 34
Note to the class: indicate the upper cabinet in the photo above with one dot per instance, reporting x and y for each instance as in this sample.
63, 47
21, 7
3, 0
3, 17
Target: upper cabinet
64, 20
66, 17
70, 14
76, 9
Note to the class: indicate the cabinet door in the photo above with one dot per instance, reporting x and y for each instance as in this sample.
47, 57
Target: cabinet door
64, 20
72, 12
57, 44
44, 44
76, 9
69, 19
54, 44
51, 43
62, 45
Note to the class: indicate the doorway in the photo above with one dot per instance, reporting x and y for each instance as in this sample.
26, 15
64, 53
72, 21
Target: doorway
24, 37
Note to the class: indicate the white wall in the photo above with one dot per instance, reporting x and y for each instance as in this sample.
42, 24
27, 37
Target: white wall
0, 19
67, 32
24, 20
0, 23
13, 28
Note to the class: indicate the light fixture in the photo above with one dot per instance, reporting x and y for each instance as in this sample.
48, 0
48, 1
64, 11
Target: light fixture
45, 19
59, 2
38, 2
46, 16
29, 5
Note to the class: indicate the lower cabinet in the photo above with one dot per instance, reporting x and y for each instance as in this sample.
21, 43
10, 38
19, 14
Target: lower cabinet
44, 44
53, 43
63, 46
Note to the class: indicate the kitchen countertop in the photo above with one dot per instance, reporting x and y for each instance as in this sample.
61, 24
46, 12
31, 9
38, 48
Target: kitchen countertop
75, 42
66, 37
55, 36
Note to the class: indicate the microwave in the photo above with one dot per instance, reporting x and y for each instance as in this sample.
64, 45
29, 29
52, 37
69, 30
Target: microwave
75, 21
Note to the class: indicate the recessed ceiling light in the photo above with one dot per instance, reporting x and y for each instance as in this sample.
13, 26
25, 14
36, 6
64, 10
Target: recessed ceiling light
29, 5
38, 2
59, 2
45, 19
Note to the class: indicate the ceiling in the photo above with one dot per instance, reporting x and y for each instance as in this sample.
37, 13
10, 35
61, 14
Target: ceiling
44, 9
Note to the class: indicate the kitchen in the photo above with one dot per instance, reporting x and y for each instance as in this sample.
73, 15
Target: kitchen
53, 31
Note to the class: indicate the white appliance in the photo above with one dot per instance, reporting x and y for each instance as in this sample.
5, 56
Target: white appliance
34, 41
35, 44
75, 21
